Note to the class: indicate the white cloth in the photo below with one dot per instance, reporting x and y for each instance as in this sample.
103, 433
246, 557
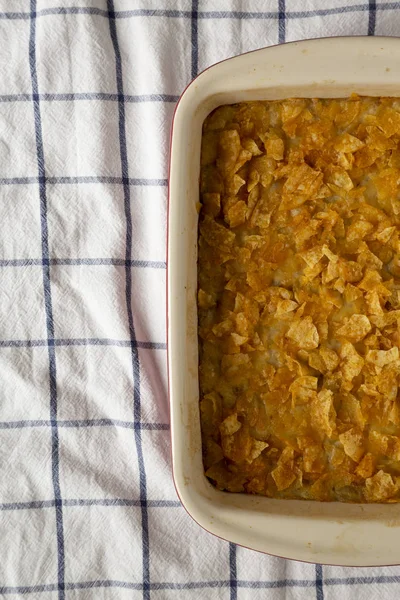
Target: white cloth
88, 510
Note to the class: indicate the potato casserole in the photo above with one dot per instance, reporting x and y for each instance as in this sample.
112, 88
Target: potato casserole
299, 298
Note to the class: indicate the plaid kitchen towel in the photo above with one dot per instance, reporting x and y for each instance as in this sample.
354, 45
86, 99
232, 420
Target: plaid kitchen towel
88, 510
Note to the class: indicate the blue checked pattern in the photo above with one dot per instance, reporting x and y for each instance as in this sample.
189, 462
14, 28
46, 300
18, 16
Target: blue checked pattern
87, 91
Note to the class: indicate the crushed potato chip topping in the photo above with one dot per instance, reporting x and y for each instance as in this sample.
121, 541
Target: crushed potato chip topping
299, 298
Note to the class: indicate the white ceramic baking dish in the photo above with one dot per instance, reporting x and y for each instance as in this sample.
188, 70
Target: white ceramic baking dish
333, 533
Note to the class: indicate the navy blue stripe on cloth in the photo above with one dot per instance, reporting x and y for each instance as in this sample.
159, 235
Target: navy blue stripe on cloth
319, 586
232, 571
113, 584
128, 294
194, 37
371, 17
85, 10
77, 423
76, 502
198, 585
106, 179
297, 14
84, 179
139, 12
115, 262
48, 303
282, 21
174, 14
83, 342
140, 98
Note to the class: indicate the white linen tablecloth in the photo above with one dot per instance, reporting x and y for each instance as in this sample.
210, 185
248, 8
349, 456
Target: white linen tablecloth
88, 510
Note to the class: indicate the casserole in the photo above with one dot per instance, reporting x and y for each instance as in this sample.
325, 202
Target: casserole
349, 534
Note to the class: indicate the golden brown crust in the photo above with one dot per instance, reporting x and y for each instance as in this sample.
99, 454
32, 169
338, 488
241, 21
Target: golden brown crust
299, 298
